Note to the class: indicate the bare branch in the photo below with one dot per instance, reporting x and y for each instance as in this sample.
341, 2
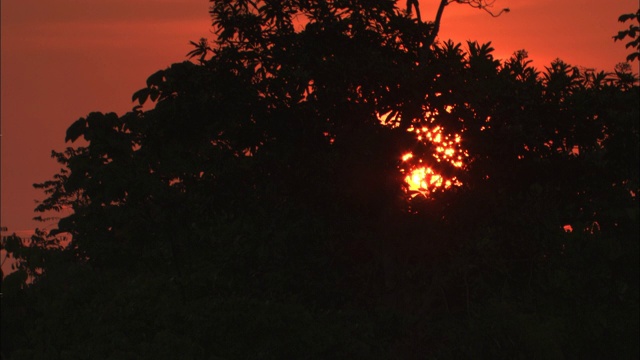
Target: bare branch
478, 4
485, 5
414, 4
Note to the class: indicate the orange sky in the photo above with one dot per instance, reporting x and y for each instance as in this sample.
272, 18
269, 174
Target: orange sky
63, 59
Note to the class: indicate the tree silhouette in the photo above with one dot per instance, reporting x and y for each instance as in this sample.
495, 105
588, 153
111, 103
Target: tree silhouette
259, 209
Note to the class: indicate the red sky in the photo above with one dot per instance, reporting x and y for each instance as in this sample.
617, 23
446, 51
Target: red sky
63, 59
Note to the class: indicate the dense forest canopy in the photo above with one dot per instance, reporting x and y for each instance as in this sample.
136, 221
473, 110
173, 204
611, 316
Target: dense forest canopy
254, 202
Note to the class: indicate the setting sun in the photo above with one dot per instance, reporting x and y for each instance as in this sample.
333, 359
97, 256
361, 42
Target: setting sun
423, 179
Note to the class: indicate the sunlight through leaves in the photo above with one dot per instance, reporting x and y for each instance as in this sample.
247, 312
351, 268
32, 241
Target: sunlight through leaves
421, 177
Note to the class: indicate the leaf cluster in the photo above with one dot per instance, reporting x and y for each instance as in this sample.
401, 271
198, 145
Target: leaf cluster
632, 32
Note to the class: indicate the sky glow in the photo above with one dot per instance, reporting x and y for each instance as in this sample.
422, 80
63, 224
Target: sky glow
63, 59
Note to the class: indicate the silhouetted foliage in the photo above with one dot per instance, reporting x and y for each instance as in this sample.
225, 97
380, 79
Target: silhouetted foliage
258, 209
633, 32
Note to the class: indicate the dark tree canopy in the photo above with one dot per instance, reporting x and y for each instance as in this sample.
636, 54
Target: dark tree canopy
253, 204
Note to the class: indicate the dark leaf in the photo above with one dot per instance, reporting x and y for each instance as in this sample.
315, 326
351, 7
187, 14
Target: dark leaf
155, 79
626, 17
141, 96
77, 129
12, 243
154, 94
14, 282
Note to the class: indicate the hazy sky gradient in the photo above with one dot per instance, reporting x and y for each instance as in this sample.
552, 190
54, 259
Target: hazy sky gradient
63, 59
